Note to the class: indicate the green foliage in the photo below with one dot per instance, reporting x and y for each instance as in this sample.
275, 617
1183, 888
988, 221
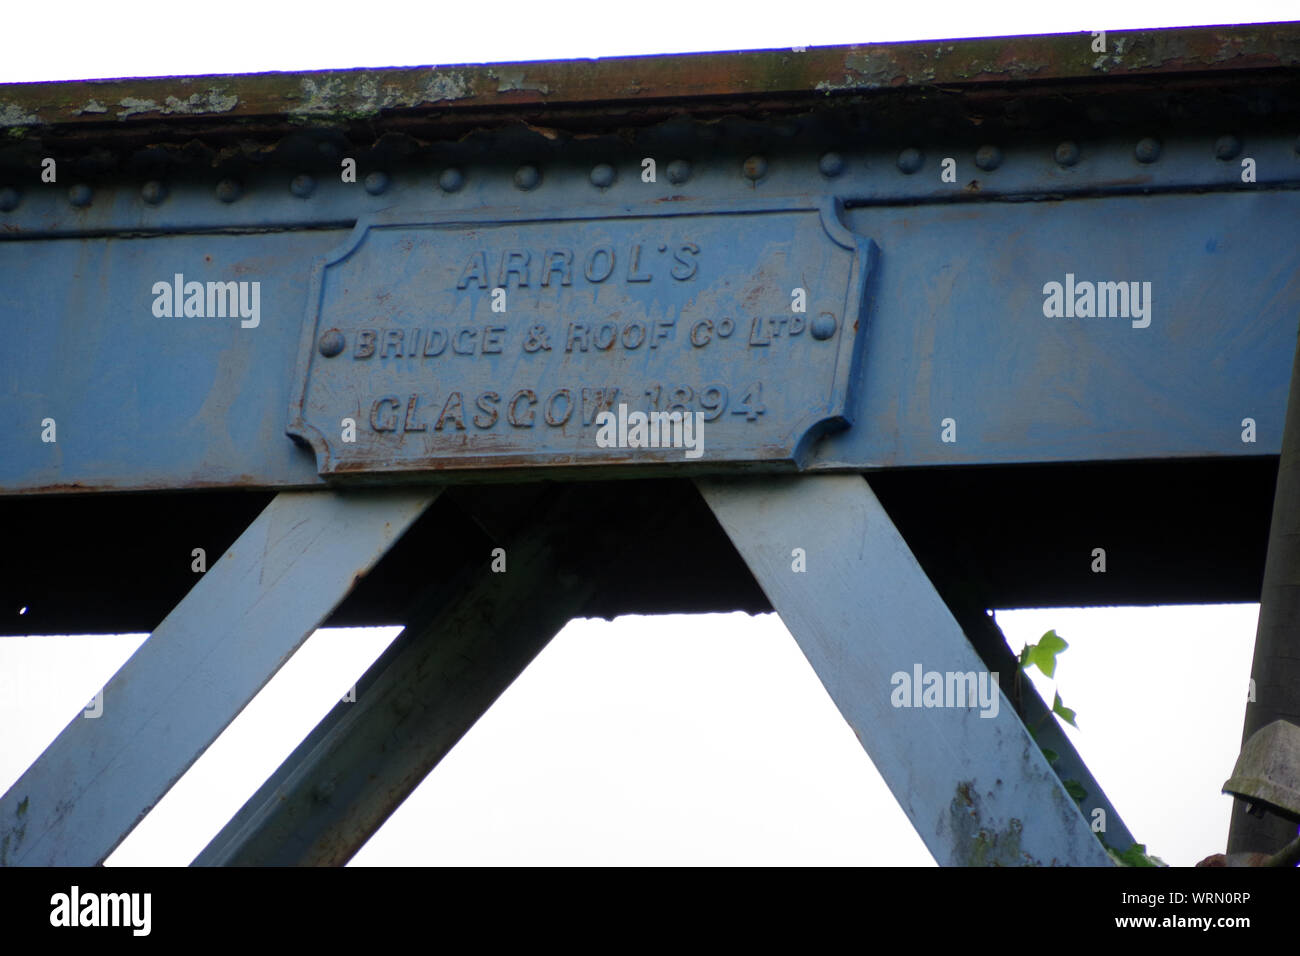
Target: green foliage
1043, 656
1135, 855
1065, 713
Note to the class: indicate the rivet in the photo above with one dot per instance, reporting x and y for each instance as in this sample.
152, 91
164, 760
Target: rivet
1148, 149
1227, 147
153, 192
822, 327
228, 190
451, 180
8, 199
80, 195
528, 176
376, 183
602, 175
331, 343
302, 185
679, 170
1067, 153
831, 164
909, 160
988, 158
755, 168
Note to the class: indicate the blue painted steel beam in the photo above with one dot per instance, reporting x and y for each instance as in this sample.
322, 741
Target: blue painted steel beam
980, 171
196, 672
1027, 168
973, 782
471, 636
955, 329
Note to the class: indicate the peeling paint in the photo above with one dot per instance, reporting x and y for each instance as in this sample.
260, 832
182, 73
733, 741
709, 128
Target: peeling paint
209, 101
334, 96
510, 80
365, 96
826, 86
11, 114
446, 86
1112, 59
131, 106
318, 98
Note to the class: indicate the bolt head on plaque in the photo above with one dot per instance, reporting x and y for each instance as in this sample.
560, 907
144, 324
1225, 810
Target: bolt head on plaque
331, 343
823, 326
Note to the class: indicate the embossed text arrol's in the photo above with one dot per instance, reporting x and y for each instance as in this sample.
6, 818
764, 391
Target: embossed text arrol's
443, 342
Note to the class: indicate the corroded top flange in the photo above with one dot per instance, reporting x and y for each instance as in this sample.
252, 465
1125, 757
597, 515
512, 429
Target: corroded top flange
349, 95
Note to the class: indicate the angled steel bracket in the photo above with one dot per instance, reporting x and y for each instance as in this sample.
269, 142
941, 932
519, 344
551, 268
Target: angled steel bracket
971, 779
464, 646
197, 671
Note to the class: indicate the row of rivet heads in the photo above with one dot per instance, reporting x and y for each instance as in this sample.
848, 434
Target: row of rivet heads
602, 175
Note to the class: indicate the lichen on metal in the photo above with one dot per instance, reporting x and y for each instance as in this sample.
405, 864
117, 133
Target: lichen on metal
210, 101
12, 114
696, 78
362, 95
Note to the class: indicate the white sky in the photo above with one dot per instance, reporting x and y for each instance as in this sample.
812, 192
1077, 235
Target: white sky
687, 740
247, 36
645, 740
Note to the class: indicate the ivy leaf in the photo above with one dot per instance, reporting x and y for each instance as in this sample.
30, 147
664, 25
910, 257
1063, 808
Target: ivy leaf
1043, 654
1075, 790
1065, 713
1051, 755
